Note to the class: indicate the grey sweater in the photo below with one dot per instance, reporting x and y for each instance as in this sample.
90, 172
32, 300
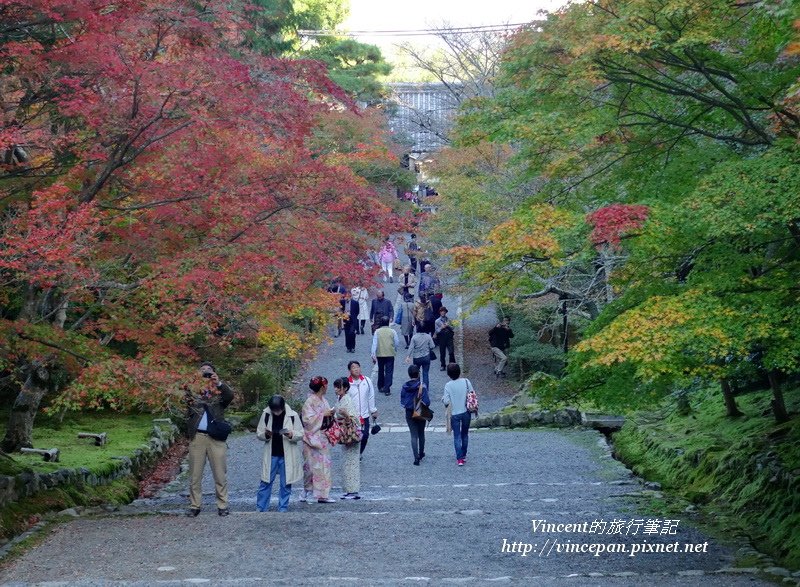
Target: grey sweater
421, 346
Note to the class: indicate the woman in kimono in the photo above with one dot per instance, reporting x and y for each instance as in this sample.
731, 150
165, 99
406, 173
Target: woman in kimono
345, 408
316, 448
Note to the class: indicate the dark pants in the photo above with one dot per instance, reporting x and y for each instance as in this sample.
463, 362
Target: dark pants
417, 429
424, 365
460, 425
364, 435
385, 373
413, 262
446, 345
350, 337
363, 323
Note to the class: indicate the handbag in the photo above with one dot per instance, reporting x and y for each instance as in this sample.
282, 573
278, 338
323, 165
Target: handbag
472, 399
421, 411
350, 430
334, 433
432, 356
327, 422
218, 429
398, 317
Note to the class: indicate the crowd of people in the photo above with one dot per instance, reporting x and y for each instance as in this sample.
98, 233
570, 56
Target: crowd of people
297, 445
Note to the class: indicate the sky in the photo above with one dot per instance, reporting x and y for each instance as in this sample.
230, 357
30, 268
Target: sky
371, 15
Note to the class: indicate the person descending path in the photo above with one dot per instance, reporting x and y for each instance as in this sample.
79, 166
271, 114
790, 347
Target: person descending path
351, 311
444, 337
361, 295
500, 340
385, 343
381, 307
387, 256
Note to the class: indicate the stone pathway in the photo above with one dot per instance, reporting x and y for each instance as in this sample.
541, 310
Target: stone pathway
436, 523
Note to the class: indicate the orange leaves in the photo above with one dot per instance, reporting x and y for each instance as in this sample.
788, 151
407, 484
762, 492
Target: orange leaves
678, 336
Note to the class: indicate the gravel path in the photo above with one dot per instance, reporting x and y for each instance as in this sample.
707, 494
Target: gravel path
436, 523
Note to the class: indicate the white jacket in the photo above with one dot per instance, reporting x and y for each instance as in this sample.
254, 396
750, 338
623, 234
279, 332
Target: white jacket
363, 394
292, 454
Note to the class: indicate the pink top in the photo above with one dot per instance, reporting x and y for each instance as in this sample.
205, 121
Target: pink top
388, 253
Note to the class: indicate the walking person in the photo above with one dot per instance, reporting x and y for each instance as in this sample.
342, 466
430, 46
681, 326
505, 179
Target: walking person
203, 409
429, 282
500, 340
412, 250
282, 432
424, 316
351, 310
455, 397
419, 353
444, 338
385, 343
363, 394
316, 448
361, 295
380, 308
407, 319
351, 469
387, 256
414, 389
408, 285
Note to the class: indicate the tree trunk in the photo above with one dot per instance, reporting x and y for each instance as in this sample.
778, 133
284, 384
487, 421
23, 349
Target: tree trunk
731, 409
607, 259
19, 432
778, 405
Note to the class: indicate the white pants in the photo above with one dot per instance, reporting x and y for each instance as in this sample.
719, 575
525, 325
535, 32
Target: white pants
388, 268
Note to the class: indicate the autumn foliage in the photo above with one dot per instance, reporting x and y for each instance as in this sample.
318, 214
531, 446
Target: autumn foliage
164, 190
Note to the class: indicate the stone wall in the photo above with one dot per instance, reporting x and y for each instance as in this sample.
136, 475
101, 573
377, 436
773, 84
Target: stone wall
522, 418
28, 483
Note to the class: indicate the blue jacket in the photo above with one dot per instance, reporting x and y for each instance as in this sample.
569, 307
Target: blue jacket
408, 394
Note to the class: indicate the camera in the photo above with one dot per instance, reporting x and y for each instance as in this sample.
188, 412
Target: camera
207, 375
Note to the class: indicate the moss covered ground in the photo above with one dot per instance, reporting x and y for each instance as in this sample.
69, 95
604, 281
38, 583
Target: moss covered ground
745, 471
125, 432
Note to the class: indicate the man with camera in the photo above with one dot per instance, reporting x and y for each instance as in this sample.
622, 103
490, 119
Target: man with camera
207, 431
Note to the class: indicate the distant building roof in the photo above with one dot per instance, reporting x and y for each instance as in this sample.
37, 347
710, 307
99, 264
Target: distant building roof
421, 114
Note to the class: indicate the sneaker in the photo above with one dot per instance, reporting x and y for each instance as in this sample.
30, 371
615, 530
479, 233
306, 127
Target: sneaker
421, 455
193, 512
351, 496
303, 497
460, 462
326, 500
416, 462
224, 512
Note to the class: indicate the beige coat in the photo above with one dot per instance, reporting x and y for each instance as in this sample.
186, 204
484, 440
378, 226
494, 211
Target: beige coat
292, 451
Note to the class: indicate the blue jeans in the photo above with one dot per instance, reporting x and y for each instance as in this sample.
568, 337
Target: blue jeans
460, 425
424, 363
265, 489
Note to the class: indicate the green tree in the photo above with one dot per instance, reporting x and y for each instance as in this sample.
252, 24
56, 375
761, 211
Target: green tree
355, 67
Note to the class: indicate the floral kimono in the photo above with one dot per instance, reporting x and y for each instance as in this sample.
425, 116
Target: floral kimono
316, 448
351, 473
